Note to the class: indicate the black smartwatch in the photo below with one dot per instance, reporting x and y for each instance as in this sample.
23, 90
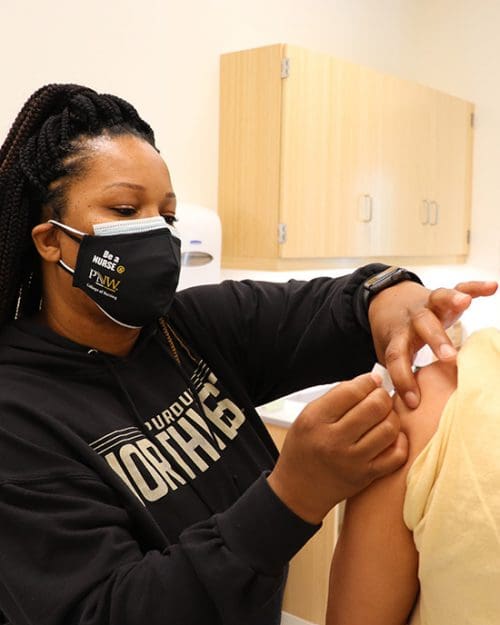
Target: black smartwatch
385, 279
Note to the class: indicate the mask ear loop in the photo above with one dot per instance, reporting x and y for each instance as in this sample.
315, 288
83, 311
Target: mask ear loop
72, 233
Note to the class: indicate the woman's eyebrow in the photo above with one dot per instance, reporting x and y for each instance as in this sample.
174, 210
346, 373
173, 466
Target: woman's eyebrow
131, 185
138, 187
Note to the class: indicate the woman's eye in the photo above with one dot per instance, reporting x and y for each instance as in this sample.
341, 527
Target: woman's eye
170, 219
125, 211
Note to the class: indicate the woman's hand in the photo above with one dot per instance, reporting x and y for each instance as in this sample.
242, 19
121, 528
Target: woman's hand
337, 446
405, 317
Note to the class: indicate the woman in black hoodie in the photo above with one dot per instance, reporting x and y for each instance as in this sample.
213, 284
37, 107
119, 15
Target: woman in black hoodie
137, 483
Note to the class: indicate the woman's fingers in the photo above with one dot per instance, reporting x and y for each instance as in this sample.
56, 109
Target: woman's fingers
365, 416
380, 437
476, 288
391, 458
334, 405
320, 463
426, 325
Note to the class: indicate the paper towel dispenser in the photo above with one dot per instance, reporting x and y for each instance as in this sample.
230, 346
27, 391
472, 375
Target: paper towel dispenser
201, 240
195, 259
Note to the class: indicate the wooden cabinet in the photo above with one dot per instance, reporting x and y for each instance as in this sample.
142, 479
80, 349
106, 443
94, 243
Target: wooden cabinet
374, 215
445, 181
306, 590
322, 160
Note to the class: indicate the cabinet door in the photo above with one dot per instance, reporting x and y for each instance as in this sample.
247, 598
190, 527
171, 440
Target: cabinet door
425, 165
399, 176
310, 154
360, 213
345, 182
450, 207
249, 151
378, 177
444, 152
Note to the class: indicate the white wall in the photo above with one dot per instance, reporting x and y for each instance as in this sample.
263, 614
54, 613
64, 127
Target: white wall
163, 55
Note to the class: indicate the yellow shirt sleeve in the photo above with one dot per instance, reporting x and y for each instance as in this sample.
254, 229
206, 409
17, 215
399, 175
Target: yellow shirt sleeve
452, 502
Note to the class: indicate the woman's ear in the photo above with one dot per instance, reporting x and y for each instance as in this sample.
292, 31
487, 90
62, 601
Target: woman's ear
46, 240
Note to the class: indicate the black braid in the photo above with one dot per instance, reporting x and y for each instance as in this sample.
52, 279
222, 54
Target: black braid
46, 143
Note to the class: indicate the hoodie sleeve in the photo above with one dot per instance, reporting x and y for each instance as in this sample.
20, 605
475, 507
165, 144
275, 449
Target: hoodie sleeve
71, 554
279, 337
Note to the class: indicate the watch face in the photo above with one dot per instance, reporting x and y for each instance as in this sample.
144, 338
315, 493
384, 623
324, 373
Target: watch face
383, 279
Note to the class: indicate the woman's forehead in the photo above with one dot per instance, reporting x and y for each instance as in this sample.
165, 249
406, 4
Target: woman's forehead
125, 159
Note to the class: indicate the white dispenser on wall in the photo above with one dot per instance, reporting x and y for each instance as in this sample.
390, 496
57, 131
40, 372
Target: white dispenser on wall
201, 241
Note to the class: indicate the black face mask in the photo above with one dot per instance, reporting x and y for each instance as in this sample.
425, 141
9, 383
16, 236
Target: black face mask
132, 276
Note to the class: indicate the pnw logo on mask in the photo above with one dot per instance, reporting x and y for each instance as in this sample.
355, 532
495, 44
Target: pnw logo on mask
129, 269
100, 280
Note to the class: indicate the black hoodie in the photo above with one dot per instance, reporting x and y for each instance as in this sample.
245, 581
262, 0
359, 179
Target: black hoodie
132, 490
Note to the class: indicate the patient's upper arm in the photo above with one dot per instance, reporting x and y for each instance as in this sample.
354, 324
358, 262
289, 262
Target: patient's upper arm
374, 570
436, 382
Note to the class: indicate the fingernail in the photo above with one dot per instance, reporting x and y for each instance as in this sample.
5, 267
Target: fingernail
447, 351
411, 399
376, 378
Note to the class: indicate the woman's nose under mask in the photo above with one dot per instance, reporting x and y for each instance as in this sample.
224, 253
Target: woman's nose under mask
130, 269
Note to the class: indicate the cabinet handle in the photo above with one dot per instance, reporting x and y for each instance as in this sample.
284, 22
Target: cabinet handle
365, 208
434, 213
424, 212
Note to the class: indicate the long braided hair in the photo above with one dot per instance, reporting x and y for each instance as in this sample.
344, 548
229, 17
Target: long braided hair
44, 150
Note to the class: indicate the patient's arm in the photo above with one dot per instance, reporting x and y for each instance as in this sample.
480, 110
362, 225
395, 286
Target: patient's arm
373, 577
